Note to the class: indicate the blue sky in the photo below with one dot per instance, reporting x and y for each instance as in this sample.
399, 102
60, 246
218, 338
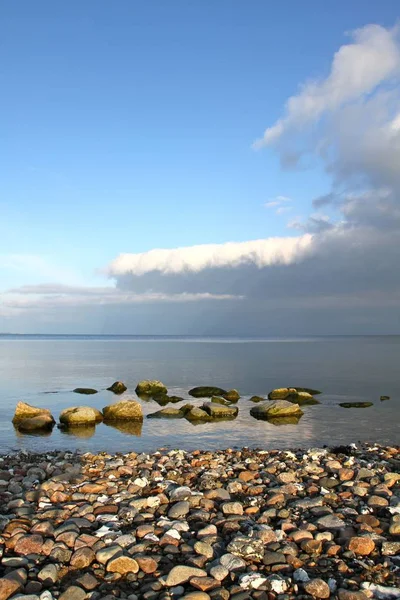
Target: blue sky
129, 126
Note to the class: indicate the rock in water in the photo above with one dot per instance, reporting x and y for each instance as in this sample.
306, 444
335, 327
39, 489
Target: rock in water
310, 391
150, 388
383, 398
86, 391
167, 413
197, 414
281, 393
356, 404
216, 411
123, 410
23, 410
206, 392
41, 423
232, 396
273, 410
80, 415
257, 399
117, 387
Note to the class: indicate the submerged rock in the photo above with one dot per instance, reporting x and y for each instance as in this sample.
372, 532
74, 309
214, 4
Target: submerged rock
356, 404
117, 387
216, 411
164, 399
310, 391
383, 398
197, 414
206, 392
86, 391
278, 421
272, 410
150, 388
257, 399
232, 396
167, 413
125, 409
221, 401
80, 415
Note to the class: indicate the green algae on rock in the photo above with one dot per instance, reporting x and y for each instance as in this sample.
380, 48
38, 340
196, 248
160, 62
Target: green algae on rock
123, 410
150, 388
356, 404
117, 387
206, 392
279, 408
80, 415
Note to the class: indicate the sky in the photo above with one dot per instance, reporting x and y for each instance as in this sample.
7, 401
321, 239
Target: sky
185, 167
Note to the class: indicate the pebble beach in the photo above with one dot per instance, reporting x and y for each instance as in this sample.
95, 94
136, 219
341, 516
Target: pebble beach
199, 525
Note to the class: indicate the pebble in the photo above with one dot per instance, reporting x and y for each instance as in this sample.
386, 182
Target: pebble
237, 524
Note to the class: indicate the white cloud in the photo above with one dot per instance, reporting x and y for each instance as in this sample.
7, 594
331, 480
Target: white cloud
193, 259
357, 69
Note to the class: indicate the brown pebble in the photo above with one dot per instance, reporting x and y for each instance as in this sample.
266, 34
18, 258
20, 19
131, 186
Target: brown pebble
317, 588
362, 546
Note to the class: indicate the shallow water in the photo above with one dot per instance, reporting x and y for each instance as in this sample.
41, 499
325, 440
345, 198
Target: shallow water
346, 369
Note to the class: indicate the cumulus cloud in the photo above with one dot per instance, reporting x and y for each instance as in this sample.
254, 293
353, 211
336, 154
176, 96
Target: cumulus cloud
357, 69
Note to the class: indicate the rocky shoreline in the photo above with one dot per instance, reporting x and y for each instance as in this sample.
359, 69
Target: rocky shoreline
232, 524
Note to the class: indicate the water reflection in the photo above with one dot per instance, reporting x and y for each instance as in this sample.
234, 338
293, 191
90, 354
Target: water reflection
126, 427
81, 431
35, 433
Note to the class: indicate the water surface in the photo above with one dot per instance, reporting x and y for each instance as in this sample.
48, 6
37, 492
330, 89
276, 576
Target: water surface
43, 370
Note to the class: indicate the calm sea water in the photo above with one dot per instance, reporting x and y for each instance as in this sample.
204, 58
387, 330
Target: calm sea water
43, 370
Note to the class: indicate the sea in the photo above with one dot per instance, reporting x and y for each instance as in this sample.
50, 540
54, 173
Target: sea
43, 370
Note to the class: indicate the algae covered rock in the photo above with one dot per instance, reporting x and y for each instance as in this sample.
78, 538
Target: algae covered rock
216, 411
383, 398
232, 396
23, 410
80, 415
356, 404
218, 400
32, 424
310, 391
197, 414
167, 413
123, 410
206, 391
303, 398
117, 387
150, 388
257, 399
277, 409
86, 391
281, 393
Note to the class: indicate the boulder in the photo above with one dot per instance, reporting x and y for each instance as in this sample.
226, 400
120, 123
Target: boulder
197, 414
80, 415
310, 391
86, 391
40, 423
150, 388
23, 410
123, 410
117, 387
356, 404
167, 413
206, 392
281, 393
216, 411
232, 396
303, 398
257, 399
218, 400
277, 409
164, 399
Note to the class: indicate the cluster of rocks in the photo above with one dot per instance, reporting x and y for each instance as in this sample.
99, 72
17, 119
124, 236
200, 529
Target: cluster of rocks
281, 407
224, 525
